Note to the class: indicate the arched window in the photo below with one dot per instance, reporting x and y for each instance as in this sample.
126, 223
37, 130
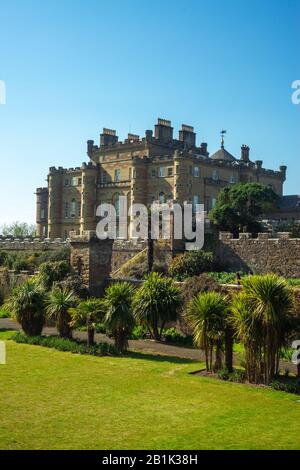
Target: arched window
162, 198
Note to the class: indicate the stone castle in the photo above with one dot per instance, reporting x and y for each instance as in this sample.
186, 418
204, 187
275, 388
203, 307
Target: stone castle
157, 167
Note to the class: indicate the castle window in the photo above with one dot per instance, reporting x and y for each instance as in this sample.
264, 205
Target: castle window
74, 181
153, 173
196, 200
79, 209
73, 208
232, 179
170, 171
66, 182
161, 172
79, 181
162, 198
117, 174
66, 209
213, 202
117, 207
215, 175
42, 213
196, 172
103, 177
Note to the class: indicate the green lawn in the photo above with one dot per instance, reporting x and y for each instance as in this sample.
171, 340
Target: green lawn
56, 400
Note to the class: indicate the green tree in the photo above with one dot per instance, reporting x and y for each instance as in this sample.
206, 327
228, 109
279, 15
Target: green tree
239, 206
27, 306
156, 303
58, 304
87, 313
18, 230
262, 317
118, 317
207, 316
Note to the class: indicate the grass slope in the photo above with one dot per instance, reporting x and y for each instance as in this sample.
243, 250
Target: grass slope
57, 400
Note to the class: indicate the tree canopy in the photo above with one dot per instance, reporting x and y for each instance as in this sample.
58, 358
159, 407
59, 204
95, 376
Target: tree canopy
239, 206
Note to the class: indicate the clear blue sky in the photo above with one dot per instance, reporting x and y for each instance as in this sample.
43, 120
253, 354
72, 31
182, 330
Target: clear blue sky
72, 67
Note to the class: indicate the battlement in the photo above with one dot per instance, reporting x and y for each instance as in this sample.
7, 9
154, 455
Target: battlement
279, 254
31, 244
225, 236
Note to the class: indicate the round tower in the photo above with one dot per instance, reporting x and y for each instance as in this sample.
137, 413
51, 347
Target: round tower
55, 183
88, 197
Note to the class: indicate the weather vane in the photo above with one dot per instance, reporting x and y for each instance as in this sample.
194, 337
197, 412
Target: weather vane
223, 132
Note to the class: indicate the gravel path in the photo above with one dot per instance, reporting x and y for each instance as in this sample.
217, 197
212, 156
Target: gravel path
142, 345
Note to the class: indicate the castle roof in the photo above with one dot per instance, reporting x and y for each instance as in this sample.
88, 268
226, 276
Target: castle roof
222, 154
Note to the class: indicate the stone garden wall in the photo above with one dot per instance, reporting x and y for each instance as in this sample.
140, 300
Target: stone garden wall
280, 255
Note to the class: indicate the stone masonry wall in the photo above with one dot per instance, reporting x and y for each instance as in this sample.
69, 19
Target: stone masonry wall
261, 255
31, 244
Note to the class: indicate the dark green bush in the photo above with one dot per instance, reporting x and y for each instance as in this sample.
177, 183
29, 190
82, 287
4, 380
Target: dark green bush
191, 263
289, 385
65, 344
237, 375
172, 335
52, 272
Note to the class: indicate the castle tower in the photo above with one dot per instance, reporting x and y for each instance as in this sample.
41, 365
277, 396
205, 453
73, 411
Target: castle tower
55, 184
88, 197
42, 212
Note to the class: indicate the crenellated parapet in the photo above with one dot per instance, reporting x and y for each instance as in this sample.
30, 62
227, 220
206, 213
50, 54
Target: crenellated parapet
265, 253
31, 244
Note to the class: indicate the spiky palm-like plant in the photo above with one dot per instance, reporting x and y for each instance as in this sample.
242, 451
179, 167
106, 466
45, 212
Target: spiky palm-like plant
27, 304
272, 301
118, 317
247, 330
58, 304
87, 313
206, 314
156, 303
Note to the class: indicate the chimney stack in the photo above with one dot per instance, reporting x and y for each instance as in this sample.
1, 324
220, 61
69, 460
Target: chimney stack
283, 169
187, 136
164, 131
245, 150
108, 137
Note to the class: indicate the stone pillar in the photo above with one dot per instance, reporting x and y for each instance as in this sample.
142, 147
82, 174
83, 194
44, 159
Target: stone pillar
91, 259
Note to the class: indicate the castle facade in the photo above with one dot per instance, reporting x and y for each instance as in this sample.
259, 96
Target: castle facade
157, 167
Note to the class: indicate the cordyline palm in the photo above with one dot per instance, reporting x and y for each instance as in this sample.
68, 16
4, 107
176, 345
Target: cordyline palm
118, 317
87, 313
207, 316
58, 304
27, 304
272, 301
248, 331
156, 303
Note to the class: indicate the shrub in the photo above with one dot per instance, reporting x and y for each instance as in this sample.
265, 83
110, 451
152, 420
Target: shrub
156, 303
27, 304
66, 344
224, 277
59, 302
191, 263
74, 283
237, 375
172, 335
52, 272
284, 385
